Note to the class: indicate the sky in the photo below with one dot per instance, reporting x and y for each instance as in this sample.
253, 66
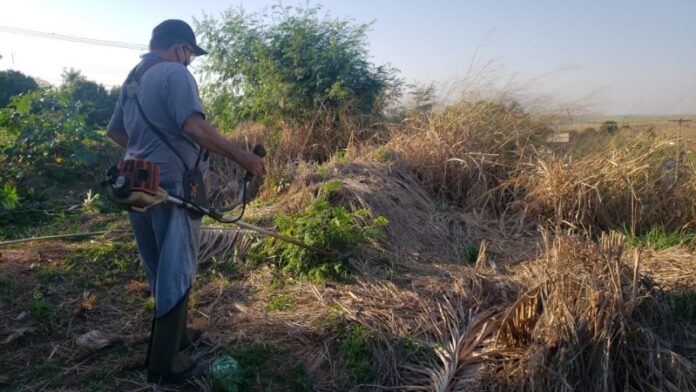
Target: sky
604, 57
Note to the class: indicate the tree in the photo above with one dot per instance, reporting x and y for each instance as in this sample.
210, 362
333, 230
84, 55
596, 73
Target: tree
92, 98
290, 65
14, 83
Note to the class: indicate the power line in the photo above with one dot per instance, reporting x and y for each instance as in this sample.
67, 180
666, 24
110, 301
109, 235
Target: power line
71, 38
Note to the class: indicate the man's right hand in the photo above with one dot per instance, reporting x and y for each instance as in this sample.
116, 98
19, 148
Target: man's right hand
206, 135
251, 162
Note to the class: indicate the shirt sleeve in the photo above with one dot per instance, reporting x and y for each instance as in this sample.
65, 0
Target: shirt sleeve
116, 122
182, 96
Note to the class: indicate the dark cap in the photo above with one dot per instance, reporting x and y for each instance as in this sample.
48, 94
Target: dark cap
178, 30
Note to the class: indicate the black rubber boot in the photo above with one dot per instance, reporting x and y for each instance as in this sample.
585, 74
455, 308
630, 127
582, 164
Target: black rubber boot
190, 335
189, 338
165, 364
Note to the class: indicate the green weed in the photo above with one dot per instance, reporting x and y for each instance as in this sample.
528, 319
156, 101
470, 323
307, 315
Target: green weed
408, 349
226, 267
149, 305
261, 369
42, 311
657, 238
331, 187
471, 251
385, 154
356, 354
281, 302
342, 158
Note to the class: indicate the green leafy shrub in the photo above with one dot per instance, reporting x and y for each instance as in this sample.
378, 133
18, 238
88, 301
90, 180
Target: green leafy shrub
291, 64
48, 145
326, 227
356, 354
8, 197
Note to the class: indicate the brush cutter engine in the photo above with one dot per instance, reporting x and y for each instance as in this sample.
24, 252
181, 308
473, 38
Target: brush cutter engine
134, 184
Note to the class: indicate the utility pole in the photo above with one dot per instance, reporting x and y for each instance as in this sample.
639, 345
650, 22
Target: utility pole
680, 146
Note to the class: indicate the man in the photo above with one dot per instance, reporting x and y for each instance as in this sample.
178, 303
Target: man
159, 119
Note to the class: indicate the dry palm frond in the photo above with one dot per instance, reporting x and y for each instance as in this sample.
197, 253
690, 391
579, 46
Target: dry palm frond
459, 355
221, 243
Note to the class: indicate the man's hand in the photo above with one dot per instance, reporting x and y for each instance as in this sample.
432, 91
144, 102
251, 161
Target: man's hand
206, 135
251, 162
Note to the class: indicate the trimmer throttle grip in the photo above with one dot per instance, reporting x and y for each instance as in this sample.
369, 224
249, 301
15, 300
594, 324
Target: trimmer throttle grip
258, 150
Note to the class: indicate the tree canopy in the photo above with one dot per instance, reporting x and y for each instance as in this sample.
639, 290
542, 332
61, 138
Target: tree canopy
14, 83
290, 63
92, 98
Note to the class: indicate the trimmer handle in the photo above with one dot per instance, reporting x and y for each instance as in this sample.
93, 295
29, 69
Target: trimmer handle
259, 151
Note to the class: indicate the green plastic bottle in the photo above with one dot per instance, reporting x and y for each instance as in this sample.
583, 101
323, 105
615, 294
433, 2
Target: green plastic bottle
223, 374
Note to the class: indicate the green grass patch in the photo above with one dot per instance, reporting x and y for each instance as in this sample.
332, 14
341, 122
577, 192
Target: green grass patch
43, 312
657, 238
112, 256
281, 302
49, 273
261, 369
356, 354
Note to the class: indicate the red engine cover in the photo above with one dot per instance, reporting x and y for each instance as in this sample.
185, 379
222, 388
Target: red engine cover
143, 175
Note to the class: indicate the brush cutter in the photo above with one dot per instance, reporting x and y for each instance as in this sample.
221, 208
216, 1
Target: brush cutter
134, 185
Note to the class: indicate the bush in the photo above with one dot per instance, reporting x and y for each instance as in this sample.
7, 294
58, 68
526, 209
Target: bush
325, 227
48, 143
290, 65
610, 127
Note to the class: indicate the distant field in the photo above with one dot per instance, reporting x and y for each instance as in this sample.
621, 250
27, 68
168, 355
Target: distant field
668, 125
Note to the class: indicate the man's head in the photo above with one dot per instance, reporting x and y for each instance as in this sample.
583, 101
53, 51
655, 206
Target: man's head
177, 37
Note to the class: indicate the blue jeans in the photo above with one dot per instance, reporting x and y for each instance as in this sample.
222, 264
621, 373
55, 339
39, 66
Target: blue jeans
168, 243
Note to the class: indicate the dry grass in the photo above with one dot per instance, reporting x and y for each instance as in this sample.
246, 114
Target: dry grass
592, 321
617, 186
